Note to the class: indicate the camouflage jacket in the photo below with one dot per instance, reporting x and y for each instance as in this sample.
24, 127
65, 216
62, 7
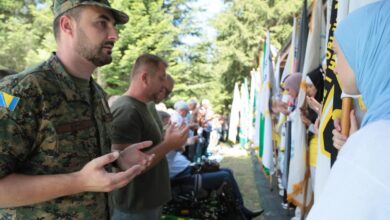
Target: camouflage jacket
53, 129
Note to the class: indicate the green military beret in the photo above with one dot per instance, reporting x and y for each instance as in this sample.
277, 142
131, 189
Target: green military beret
61, 6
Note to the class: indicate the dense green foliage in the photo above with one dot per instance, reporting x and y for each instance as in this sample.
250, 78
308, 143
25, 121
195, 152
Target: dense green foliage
241, 33
25, 33
204, 70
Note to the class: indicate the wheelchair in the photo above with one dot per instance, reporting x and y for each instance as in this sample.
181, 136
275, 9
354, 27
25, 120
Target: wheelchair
190, 200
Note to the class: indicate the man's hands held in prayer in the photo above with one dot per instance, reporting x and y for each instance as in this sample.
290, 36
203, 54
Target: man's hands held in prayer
133, 155
94, 177
176, 136
130, 160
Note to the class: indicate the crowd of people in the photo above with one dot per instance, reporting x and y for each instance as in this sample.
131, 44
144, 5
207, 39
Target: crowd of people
178, 137
64, 145
309, 113
354, 189
67, 153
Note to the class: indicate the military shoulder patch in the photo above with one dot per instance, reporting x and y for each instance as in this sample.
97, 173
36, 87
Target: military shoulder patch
8, 101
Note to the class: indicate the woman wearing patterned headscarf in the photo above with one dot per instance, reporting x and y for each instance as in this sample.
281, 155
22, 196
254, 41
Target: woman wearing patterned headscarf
359, 184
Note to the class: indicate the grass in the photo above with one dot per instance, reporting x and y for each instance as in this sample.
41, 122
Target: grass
239, 161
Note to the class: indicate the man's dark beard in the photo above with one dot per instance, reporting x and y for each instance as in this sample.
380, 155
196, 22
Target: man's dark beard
94, 55
101, 59
97, 56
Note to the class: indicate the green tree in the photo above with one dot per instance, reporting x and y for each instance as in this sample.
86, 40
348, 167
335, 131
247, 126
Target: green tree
25, 33
241, 31
193, 69
205, 70
150, 30
158, 27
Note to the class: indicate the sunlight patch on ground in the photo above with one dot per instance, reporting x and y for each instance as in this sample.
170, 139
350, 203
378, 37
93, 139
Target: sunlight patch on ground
225, 150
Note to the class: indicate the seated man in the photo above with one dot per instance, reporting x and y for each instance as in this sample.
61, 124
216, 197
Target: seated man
180, 168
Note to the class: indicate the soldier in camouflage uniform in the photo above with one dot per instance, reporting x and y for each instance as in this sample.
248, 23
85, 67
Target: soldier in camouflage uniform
55, 124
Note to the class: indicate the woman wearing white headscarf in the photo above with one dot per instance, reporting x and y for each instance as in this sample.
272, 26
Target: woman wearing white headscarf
359, 184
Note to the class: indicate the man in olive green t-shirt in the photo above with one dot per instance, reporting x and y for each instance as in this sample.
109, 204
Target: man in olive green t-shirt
143, 198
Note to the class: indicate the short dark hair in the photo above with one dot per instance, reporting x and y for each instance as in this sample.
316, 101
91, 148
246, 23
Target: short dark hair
74, 13
151, 62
